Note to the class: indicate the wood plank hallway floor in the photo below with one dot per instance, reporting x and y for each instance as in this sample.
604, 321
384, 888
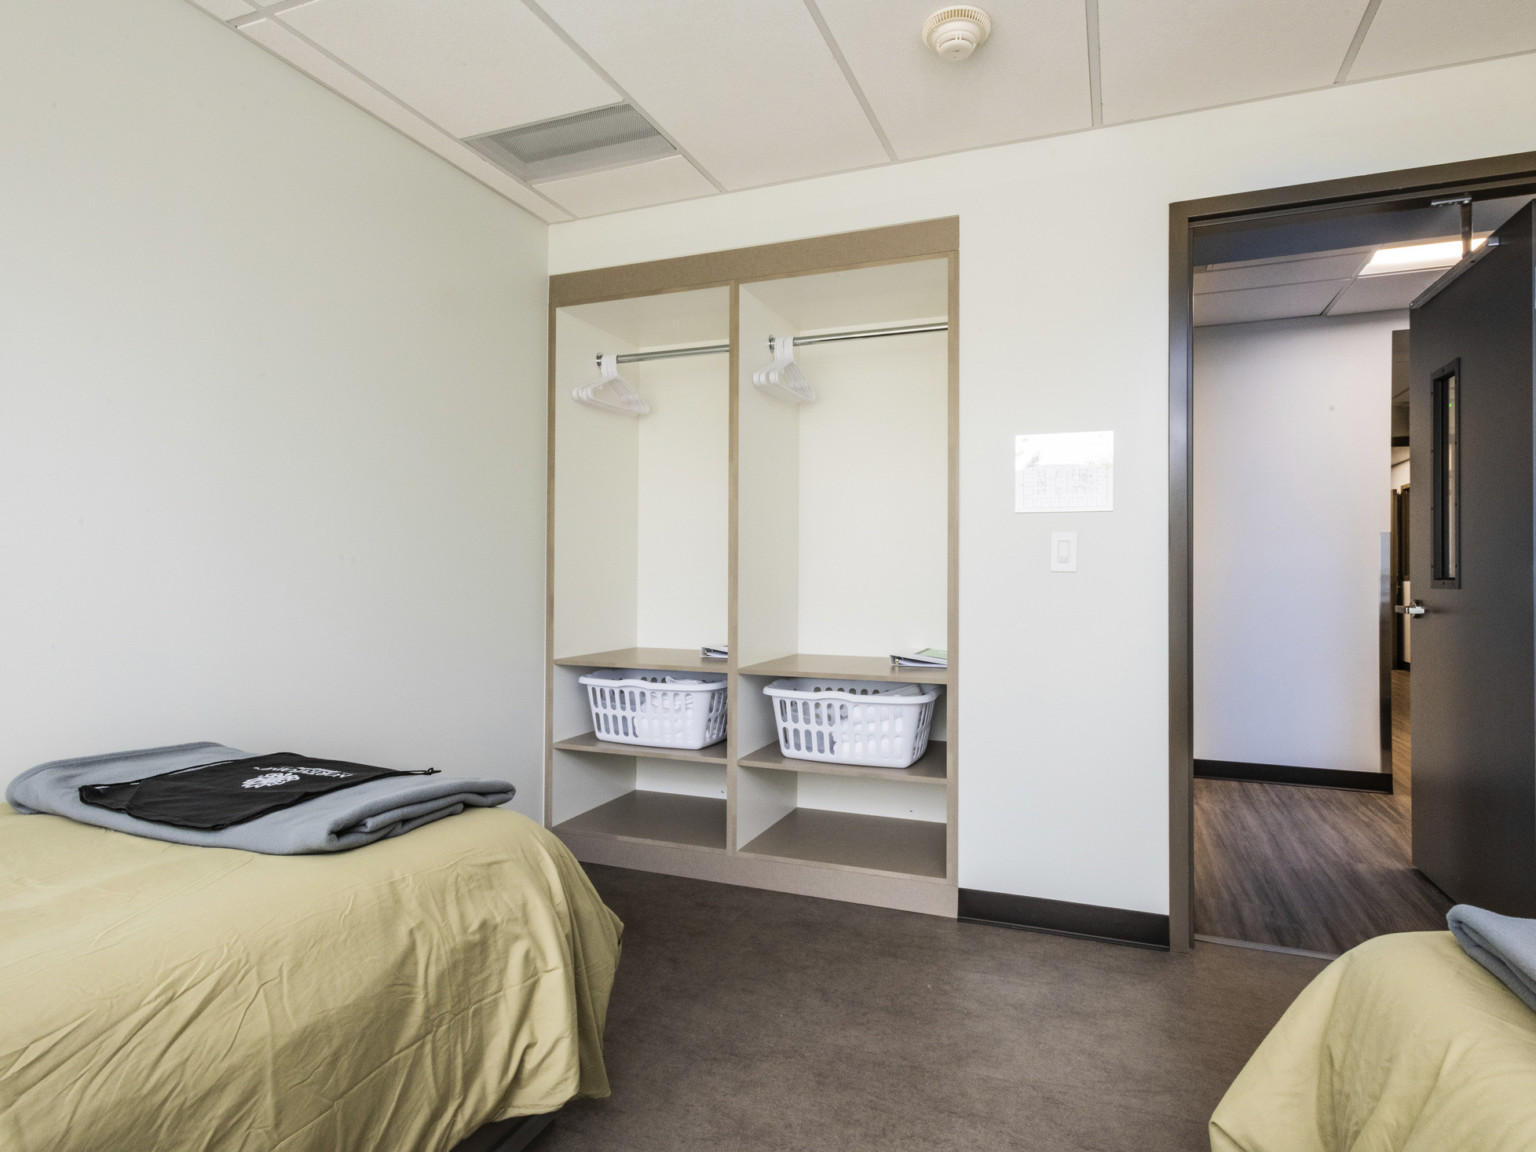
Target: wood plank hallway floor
1320, 869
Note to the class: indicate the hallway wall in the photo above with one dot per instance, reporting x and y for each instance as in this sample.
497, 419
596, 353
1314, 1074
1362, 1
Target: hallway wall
1291, 494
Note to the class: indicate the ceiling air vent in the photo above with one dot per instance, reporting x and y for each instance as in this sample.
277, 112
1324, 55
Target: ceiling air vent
586, 142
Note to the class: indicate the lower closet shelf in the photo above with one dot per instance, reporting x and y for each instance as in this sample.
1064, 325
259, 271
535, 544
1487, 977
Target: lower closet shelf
881, 843
665, 817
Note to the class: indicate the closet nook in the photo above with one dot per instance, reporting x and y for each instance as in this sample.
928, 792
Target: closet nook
774, 471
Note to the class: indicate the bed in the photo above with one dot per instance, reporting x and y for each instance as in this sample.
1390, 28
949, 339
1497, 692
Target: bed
395, 997
1403, 1044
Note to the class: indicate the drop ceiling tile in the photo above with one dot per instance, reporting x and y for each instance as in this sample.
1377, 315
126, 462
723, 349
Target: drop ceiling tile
1412, 34
1029, 79
1280, 302
1384, 293
224, 9
1162, 56
306, 58
750, 89
472, 66
1265, 275
635, 186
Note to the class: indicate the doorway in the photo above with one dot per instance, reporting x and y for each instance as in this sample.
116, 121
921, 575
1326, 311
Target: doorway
1389, 209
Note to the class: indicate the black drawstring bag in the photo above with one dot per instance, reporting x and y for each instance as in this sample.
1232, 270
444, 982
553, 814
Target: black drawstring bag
208, 797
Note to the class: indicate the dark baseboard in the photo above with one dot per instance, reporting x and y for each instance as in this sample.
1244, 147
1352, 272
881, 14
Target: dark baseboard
1064, 918
1302, 777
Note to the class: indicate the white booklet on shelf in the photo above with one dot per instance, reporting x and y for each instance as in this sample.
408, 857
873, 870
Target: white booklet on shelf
715, 652
923, 658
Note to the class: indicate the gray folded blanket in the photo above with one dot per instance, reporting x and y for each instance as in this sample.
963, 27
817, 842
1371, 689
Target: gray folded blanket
333, 822
1505, 945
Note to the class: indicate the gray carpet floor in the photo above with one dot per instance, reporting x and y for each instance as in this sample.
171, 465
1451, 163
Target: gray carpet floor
747, 1020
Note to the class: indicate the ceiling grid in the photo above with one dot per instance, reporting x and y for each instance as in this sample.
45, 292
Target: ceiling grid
293, 48
1359, 40
785, 90
853, 81
1095, 77
628, 98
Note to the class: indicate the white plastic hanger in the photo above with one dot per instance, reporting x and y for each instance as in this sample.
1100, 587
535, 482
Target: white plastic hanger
787, 375
611, 391
783, 378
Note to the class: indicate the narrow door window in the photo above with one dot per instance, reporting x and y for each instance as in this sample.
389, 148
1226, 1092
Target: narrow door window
1446, 520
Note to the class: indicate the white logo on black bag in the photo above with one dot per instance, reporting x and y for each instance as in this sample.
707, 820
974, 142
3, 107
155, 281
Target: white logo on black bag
268, 779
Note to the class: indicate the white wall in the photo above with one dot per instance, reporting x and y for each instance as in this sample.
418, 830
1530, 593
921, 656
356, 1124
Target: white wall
1063, 729
597, 455
271, 413
1292, 474
873, 500
683, 543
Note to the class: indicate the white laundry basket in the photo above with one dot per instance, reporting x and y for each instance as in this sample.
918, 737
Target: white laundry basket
852, 721
658, 709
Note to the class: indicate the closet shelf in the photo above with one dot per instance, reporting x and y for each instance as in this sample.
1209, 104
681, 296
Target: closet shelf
661, 659
930, 767
588, 742
845, 668
663, 817
846, 840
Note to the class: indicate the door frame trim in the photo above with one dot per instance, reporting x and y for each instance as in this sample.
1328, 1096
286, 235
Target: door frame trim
1515, 174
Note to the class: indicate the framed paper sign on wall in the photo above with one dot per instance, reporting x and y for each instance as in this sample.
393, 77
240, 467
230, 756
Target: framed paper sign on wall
1064, 472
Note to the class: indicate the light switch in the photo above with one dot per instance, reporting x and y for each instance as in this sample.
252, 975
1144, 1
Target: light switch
1063, 551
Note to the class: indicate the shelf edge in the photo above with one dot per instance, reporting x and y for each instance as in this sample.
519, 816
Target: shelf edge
610, 748
850, 771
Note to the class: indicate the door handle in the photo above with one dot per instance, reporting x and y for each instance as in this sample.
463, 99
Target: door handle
1413, 608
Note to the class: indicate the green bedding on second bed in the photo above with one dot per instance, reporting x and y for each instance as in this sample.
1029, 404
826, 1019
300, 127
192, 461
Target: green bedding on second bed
1404, 1044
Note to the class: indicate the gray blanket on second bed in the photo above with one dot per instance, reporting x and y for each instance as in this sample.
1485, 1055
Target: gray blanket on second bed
1505, 945
334, 822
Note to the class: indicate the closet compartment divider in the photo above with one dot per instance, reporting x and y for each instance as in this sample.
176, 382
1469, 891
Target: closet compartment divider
733, 570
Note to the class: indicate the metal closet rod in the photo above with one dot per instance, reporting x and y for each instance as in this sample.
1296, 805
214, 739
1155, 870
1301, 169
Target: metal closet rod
800, 342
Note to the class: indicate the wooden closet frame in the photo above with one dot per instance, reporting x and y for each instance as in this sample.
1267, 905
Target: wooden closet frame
898, 244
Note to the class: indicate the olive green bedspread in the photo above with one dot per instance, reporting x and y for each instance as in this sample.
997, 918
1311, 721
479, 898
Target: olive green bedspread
160, 997
1403, 1044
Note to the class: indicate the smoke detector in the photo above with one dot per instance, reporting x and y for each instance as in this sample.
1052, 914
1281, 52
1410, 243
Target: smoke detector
954, 33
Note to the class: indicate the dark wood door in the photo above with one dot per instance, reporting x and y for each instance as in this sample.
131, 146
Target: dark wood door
1474, 654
